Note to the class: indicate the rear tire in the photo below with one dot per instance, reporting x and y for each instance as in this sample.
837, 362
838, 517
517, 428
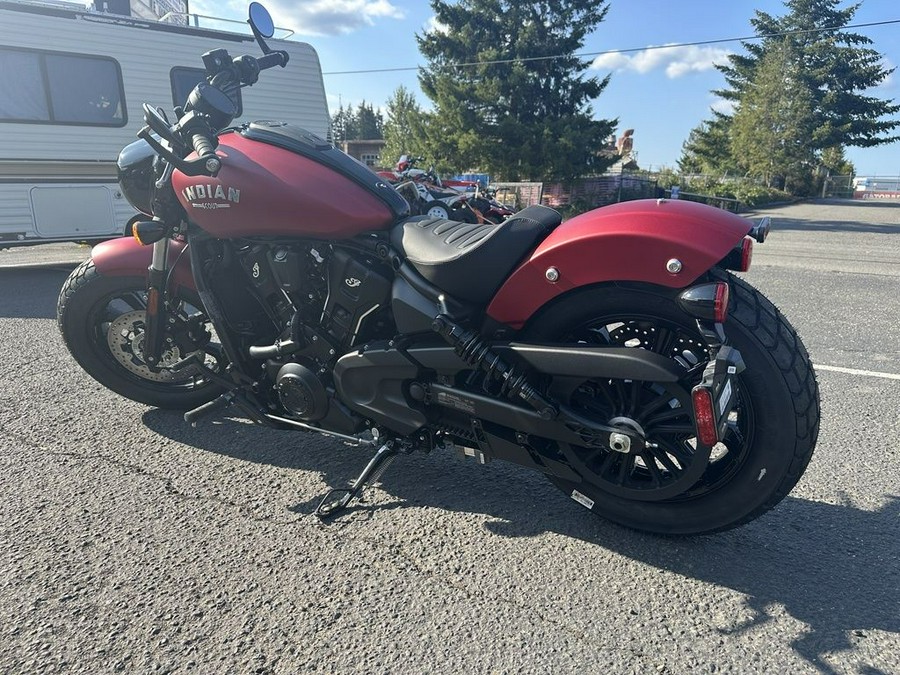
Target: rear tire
775, 427
97, 314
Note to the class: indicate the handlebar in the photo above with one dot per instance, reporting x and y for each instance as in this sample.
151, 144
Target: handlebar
208, 109
272, 59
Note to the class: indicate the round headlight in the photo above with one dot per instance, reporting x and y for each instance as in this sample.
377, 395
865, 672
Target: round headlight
136, 175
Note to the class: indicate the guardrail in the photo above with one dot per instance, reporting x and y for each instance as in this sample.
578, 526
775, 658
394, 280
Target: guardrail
724, 203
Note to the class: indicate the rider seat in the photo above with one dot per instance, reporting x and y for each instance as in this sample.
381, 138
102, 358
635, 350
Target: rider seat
470, 261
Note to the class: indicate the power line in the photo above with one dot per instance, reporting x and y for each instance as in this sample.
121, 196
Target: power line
631, 50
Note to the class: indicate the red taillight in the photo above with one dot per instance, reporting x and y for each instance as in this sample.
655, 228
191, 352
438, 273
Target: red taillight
746, 254
720, 307
705, 416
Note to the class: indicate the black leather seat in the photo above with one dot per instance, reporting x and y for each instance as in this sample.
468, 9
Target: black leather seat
471, 261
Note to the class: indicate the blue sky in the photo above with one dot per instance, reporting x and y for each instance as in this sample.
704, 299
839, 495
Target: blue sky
662, 94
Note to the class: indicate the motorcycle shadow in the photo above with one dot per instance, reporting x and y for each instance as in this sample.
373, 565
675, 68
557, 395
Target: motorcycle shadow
832, 567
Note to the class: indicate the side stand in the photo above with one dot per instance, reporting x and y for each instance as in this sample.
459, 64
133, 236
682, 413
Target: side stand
337, 499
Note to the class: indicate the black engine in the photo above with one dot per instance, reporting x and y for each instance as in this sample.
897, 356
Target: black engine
321, 301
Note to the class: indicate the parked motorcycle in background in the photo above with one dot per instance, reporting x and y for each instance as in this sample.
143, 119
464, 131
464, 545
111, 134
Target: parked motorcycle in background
615, 352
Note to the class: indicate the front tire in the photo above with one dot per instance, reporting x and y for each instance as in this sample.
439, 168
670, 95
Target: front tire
101, 321
769, 441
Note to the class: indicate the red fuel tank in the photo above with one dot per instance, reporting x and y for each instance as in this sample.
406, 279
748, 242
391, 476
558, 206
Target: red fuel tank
279, 180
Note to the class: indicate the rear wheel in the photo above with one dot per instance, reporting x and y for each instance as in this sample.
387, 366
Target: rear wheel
667, 485
102, 323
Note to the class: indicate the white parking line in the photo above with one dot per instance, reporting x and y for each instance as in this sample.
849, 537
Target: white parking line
854, 371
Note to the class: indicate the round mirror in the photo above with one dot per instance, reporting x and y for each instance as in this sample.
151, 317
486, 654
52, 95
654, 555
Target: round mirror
261, 20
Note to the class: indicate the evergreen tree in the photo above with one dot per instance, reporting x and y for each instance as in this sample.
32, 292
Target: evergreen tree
343, 125
775, 121
369, 123
523, 117
404, 127
836, 67
708, 149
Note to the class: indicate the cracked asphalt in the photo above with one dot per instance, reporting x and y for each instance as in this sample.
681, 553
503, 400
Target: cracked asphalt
130, 542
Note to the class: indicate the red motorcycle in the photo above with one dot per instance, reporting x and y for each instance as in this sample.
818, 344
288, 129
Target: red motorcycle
614, 352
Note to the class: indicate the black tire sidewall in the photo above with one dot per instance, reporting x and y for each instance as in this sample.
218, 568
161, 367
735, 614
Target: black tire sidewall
774, 436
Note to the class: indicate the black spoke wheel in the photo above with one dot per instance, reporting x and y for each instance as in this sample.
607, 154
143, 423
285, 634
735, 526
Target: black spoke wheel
669, 483
102, 321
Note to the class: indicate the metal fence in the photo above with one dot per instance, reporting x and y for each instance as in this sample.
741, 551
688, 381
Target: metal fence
583, 194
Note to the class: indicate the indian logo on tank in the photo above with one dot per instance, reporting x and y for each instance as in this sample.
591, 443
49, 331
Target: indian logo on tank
220, 196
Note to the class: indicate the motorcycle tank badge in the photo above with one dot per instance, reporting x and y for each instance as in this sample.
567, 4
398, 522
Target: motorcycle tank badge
221, 193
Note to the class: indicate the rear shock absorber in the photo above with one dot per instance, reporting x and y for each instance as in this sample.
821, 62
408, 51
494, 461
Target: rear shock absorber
469, 346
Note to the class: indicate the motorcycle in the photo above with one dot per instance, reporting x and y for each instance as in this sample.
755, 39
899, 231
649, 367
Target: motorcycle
427, 194
615, 353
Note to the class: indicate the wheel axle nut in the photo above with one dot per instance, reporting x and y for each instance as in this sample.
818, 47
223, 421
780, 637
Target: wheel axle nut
620, 443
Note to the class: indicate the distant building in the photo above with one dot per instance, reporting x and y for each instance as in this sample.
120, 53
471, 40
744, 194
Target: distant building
145, 9
367, 152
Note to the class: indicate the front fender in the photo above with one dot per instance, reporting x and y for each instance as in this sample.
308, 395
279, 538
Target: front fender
630, 241
125, 257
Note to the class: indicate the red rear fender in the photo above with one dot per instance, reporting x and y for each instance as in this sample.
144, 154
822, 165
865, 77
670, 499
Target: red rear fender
125, 257
631, 241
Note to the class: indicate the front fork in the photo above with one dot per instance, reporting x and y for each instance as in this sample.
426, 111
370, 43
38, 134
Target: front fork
155, 320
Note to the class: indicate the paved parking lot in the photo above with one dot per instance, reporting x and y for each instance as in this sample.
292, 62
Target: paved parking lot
131, 543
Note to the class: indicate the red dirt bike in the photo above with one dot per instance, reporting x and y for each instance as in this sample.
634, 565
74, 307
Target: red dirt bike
614, 352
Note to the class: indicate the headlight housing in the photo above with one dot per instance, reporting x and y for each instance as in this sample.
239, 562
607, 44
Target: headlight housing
136, 175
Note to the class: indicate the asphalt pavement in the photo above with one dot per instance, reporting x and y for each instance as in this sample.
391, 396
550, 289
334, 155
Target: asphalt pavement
130, 542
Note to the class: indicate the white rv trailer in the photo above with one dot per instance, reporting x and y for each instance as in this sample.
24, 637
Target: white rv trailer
72, 82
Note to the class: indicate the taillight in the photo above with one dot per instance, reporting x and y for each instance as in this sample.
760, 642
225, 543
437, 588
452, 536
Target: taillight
746, 254
720, 304
704, 416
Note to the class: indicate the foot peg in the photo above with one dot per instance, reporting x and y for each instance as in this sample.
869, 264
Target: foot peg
337, 499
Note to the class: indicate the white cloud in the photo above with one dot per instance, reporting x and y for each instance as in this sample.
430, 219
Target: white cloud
435, 26
890, 81
312, 17
722, 105
677, 60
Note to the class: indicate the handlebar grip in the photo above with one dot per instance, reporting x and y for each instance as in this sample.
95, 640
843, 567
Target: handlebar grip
202, 145
277, 58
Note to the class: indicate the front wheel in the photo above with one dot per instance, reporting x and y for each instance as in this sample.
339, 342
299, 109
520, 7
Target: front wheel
770, 435
438, 211
101, 319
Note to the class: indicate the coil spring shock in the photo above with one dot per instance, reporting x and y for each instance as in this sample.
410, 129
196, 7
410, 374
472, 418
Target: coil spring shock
469, 346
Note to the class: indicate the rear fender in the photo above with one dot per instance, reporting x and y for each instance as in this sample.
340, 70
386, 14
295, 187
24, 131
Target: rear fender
630, 241
125, 257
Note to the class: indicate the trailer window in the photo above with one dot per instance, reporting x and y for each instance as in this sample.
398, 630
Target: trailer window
57, 88
185, 79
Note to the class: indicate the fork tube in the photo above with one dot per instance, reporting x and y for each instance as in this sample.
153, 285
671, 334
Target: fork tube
156, 295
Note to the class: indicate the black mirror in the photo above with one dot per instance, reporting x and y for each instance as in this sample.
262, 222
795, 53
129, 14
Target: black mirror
261, 20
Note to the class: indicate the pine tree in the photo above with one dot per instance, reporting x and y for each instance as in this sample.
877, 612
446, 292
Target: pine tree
369, 123
343, 125
403, 127
522, 116
775, 121
835, 66
708, 149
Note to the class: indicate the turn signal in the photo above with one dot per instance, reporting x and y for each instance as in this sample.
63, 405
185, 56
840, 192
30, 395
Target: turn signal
148, 232
704, 416
738, 258
708, 302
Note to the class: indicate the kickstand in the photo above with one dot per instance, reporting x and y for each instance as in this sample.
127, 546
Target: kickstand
337, 499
